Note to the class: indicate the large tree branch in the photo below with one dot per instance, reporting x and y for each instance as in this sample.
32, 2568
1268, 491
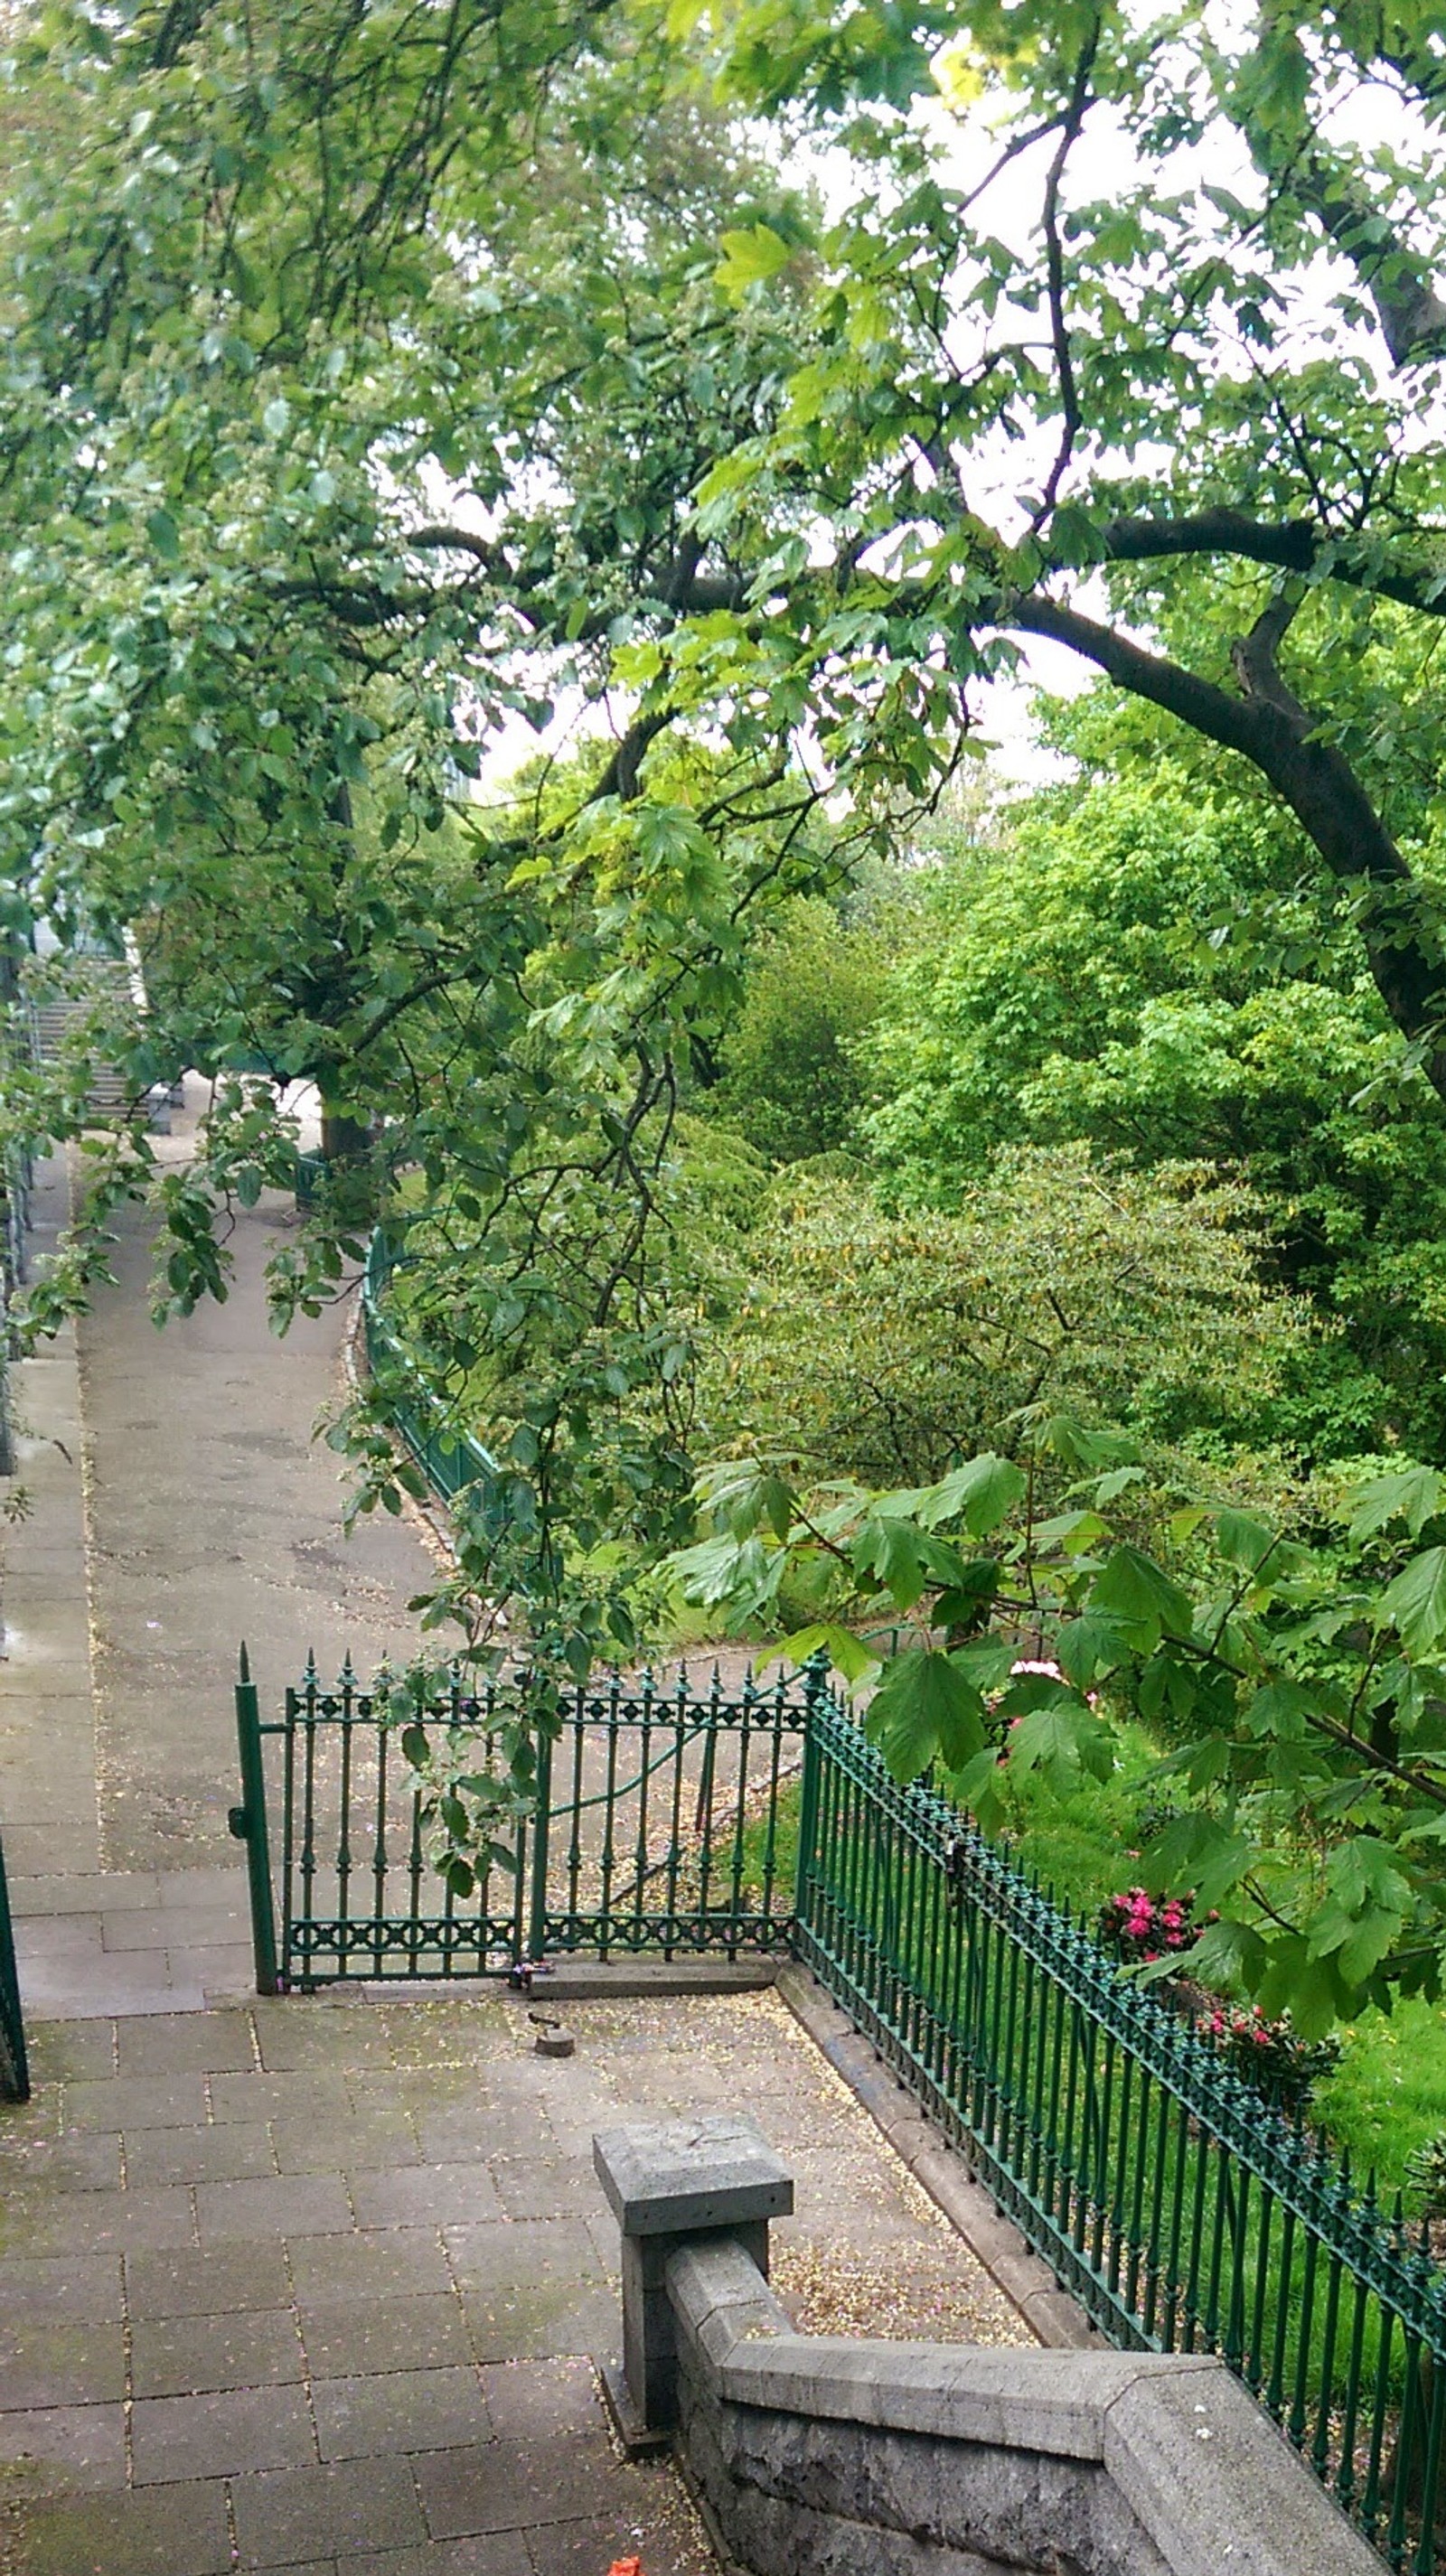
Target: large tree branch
1410, 312
1269, 728
1292, 545
1070, 414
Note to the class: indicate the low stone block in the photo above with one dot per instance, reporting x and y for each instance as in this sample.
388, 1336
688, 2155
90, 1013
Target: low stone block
679, 2177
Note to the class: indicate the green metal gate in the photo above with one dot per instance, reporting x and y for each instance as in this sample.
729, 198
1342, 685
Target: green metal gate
656, 1830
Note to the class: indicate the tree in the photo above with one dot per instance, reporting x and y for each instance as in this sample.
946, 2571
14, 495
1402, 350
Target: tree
791, 1076
358, 369
1133, 960
1302, 1669
1193, 374
1054, 1285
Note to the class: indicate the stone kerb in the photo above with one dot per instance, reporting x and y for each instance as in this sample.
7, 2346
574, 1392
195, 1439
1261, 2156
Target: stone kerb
870, 2458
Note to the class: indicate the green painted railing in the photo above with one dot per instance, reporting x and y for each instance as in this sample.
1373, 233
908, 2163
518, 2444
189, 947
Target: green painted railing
448, 1457
656, 1829
1183, 2212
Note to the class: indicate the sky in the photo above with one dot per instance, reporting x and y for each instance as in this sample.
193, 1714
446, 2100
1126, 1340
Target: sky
966, 145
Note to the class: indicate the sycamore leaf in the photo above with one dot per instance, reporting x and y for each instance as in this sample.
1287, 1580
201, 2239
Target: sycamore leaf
1093, 1643
976, 1789
750, 257
1413, 1497
1243, 1541
889, 1551
925, 1710
1142, 1598
743, 1573
985, 1661
1062, 1740
1229, 1955
981, 1493
961, 1603
1367, 1902
1281, 1709
845, 1652
1071, 1531
1416, 1601
1197, 1852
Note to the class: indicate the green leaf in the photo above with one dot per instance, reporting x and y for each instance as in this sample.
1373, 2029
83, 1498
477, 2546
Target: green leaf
890, 1551
1065, 1740
846, 1653
1230, 1956
982, 1493
925, 1710
1413, 1497
976, 1789
1142, 1598
1241, 1540
164, 535
1197, 1852
1281, 1710
1416, 1602
1093, 1643
750, 257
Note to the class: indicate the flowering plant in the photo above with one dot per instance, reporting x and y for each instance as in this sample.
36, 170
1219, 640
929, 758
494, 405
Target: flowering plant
1271, 2055
1136, 1925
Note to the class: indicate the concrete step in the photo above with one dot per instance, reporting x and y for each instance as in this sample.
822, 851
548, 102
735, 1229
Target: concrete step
579, 1981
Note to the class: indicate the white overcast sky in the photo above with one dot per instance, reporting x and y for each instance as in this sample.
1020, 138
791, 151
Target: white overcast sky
966, 148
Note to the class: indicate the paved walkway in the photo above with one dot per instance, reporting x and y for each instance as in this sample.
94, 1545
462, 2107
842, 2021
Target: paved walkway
313, 2286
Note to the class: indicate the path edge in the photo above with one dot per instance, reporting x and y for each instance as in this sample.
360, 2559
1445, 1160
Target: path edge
1053, 2317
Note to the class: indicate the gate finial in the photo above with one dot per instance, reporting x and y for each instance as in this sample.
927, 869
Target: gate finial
245, 1671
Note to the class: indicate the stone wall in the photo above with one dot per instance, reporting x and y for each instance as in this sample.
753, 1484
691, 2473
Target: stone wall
837, 2456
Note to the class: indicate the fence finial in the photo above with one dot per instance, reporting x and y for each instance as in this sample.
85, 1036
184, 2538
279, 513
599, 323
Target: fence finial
244, 1674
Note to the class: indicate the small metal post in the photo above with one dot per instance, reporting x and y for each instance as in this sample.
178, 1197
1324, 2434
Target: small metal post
815, 1700
542, 1818
248, 1824
15, 2067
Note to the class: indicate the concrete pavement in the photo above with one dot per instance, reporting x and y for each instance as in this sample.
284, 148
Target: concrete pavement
314, 2285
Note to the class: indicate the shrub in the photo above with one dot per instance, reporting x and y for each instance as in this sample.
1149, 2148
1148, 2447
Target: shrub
1271, 2055
1138, 1926
1426, 2174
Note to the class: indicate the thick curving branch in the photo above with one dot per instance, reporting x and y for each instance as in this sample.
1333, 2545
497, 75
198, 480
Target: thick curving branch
1269, 727
1290, 545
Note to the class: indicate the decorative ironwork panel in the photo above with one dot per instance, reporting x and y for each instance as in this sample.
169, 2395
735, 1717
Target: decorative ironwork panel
655, 1831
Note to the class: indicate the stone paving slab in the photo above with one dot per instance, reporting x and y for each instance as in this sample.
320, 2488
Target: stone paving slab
388, 2368
314, 2287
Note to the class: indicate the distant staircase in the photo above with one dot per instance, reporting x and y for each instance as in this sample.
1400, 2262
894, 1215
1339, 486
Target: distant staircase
51, 1019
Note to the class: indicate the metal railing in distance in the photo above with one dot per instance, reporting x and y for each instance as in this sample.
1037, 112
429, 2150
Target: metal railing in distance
449, 1458
655, 1829
1183, 2213
14, 2062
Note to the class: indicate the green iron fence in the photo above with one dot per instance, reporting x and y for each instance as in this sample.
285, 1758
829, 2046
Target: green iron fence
1183, 2212
14, 2065
656, 1830
448, 1458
